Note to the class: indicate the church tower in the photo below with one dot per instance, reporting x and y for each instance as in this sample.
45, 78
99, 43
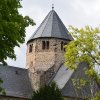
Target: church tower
45, 48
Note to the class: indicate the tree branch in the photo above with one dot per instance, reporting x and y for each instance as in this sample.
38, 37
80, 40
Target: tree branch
94, 59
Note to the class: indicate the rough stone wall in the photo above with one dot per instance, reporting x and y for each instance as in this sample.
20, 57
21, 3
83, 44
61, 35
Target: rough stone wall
44, 59
11, 98
69, 98
47, 76
16, 98
30, 57
35, 79
40, 60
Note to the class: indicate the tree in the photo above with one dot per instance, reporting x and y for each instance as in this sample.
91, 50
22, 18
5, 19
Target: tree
12, 28
47, 92
97, 97
84, 48
2, 91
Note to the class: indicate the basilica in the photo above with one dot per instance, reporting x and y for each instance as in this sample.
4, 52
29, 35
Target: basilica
44, 64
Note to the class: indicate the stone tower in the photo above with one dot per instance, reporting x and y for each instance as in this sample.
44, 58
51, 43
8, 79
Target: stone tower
45, 52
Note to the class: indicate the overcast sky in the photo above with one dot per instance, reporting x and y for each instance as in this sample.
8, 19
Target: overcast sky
78, 13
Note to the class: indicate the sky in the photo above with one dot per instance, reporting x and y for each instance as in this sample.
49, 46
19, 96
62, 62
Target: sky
78, 13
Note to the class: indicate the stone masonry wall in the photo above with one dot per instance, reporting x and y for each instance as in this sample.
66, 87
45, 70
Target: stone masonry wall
40, 60
11, 98
35, 79
30, 57
44, 59
69, 98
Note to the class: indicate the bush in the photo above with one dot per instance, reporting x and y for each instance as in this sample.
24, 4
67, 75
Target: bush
48, 92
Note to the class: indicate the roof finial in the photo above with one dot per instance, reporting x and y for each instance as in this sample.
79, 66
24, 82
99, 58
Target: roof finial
52, 6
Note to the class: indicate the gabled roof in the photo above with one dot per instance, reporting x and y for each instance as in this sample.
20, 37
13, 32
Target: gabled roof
52, 26
15, 81
64, 78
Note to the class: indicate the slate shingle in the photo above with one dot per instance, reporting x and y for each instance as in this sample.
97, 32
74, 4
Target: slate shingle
15, 81
52, 27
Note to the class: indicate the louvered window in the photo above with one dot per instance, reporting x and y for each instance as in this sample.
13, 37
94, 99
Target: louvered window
45, 45
30, 48
62, 44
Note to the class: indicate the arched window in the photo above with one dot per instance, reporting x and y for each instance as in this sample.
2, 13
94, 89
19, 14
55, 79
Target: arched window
30, 48
47, 44
62, 44
43, 45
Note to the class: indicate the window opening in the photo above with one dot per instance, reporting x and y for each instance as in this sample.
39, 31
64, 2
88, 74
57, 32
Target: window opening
30, 48
62, 44
43, 45
47, 44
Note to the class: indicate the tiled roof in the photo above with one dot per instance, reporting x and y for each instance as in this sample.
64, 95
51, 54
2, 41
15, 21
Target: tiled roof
15, 81
17, 84
52, 26
64, 78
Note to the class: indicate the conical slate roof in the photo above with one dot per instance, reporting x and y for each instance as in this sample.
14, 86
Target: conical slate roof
52, 26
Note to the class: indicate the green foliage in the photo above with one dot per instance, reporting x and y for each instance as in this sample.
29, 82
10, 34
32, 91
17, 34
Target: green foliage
79, 83
2, 91
97, 97
46, 92
85, 47
12, 28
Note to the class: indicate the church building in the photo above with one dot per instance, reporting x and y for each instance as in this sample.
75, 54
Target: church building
44, 64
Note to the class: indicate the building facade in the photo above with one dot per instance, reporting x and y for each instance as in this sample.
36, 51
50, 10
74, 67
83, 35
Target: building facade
44, 64
45, 49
